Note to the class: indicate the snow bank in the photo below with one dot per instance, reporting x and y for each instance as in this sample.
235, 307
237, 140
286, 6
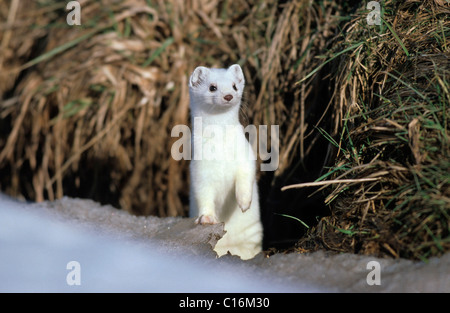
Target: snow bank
36, 246
119, 252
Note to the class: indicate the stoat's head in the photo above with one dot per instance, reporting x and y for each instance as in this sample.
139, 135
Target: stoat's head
216, 90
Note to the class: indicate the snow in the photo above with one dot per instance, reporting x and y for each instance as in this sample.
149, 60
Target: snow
36, 247
119, 252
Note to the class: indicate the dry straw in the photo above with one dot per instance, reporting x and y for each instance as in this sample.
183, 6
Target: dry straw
391, 177
87, 110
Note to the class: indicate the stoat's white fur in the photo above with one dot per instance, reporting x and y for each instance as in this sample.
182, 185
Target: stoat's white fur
223, 189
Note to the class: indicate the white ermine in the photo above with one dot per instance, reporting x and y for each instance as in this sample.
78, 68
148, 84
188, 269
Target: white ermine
223, 188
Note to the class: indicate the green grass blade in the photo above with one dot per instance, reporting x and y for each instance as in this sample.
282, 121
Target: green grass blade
158, 51
352, 47
62, 48
409, 86
396, 37
327, 136
336, 169
295, 218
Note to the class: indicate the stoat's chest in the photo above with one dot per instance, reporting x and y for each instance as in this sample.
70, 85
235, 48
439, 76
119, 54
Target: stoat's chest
225, 143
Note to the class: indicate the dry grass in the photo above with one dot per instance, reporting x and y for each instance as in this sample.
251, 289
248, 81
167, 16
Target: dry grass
91, 112
391, 176
87, 110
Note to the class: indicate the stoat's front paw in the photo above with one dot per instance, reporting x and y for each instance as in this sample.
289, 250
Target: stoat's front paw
206, 220
244, 201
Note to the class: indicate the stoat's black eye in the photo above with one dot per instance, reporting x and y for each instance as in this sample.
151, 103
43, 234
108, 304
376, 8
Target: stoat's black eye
234, 87
212, 88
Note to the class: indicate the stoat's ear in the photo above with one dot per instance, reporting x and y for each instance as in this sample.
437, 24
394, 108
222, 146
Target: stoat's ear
236, 70
199, 76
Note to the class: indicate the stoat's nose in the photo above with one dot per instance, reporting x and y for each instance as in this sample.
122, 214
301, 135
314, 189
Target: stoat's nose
228, 97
